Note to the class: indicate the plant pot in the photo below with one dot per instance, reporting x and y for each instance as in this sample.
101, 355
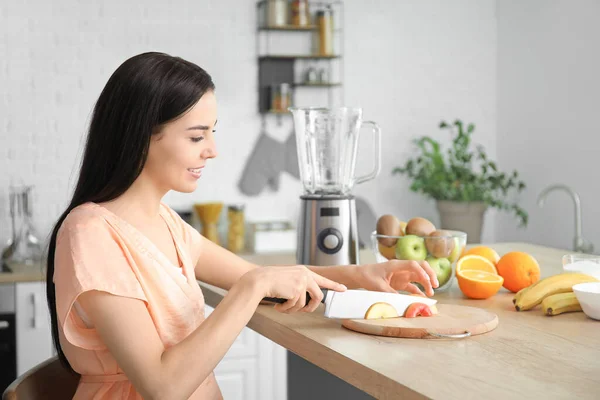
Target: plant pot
463, 216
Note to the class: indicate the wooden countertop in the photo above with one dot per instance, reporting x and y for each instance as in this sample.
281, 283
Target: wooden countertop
528, 355
23, 273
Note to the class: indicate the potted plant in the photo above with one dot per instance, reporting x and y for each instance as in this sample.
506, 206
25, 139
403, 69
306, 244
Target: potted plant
463, 182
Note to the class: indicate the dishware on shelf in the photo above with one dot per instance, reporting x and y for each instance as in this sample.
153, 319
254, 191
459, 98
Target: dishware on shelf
24, 248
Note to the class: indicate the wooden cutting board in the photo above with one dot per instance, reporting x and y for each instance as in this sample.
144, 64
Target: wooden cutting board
452, 321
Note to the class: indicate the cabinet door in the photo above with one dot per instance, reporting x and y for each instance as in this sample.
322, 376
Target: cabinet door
246, 344
253, 368
238, 378
34, 337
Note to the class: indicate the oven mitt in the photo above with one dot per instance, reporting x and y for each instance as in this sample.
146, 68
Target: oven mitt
263, 166
291, 156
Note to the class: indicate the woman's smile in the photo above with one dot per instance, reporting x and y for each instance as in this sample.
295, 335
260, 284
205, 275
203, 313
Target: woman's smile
196, 172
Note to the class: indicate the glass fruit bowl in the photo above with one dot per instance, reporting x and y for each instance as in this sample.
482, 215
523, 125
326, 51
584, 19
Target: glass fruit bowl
441, 250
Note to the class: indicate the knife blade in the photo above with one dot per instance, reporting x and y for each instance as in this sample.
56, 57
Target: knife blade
354, 303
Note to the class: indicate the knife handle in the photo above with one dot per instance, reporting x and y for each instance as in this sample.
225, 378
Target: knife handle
281, 301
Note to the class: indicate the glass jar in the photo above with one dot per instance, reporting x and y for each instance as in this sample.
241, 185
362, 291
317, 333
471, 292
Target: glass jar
208, 214
276, 12
323, 76
311, 75
236, 230
325, 24
281, 97
300, 13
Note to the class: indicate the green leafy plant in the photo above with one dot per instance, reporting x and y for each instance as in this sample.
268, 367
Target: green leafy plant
460, 174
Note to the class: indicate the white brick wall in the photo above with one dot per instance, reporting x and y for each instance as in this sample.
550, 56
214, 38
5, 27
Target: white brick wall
408, 63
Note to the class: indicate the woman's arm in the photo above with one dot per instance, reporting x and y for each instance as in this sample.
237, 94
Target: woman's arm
126, 327
220, 267
348, 275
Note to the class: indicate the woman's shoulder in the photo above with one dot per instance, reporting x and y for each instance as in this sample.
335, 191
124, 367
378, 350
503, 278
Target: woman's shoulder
84, 216
85, 213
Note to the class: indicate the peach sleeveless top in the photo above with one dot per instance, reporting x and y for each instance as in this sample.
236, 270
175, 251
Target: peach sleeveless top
97, 250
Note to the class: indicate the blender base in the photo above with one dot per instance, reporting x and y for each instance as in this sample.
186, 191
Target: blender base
327, 232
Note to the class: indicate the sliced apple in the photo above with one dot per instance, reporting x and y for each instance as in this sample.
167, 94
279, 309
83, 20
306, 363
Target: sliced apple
433, 307
381, 310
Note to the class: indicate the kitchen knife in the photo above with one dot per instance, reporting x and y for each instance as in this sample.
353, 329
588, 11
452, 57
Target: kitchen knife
354, 303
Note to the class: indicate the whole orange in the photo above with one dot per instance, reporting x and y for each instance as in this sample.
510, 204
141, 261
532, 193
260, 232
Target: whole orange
486, 252
519, 270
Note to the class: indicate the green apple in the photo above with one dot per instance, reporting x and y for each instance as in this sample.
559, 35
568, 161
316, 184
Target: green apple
411, 247
456, 251
442, 268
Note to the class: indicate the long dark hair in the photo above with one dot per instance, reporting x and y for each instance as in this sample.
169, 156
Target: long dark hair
145, 92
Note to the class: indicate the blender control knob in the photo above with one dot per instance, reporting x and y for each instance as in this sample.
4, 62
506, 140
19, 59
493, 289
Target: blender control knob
330, 241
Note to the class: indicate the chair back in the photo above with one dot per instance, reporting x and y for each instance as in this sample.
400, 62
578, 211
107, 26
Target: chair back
48, 380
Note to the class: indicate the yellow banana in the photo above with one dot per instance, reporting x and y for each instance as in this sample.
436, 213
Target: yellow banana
521, 292
561, 283
560, 303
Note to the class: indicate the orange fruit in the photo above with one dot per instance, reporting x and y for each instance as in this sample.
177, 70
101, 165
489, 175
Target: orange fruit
478, 284
519, 270
475, 262
486, 252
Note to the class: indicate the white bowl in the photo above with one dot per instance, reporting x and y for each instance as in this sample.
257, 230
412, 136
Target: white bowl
588, 295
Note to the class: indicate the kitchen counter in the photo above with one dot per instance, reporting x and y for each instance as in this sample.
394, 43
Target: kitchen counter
23, 273
529, 355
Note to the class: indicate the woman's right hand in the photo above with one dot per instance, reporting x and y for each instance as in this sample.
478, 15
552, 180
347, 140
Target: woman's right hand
291, 283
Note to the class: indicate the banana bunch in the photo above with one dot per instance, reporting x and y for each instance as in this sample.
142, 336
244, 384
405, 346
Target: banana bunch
533, 295
560, 303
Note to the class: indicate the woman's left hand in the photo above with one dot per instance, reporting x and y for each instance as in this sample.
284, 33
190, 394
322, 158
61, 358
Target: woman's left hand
395, 275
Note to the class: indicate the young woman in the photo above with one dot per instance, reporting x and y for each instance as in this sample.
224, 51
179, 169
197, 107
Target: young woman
127, 311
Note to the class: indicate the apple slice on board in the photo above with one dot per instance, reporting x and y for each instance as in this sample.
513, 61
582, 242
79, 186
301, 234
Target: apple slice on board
433, 307
381, 310
385, 310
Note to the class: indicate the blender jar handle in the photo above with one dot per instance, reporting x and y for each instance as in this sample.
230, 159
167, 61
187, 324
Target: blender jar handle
377, 150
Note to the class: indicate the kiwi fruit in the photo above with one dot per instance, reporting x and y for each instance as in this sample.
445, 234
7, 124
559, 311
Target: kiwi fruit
388, 225
440, 244
420, 227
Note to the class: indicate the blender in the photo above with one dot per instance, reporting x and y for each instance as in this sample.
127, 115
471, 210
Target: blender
327, 144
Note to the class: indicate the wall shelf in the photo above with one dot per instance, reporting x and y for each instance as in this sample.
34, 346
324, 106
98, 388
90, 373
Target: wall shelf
317, 84
276, 69
299, 57
288, 28
280, 112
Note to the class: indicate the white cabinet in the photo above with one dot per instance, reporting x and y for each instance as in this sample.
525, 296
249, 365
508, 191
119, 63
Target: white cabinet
34, 337
253, 368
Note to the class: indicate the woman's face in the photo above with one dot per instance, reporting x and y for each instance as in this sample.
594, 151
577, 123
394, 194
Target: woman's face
180, 150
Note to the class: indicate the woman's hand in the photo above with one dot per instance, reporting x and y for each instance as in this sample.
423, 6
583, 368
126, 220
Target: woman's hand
395, 275
292, 283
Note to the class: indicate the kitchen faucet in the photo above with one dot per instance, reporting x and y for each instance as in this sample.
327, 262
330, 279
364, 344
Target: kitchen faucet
580, 244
